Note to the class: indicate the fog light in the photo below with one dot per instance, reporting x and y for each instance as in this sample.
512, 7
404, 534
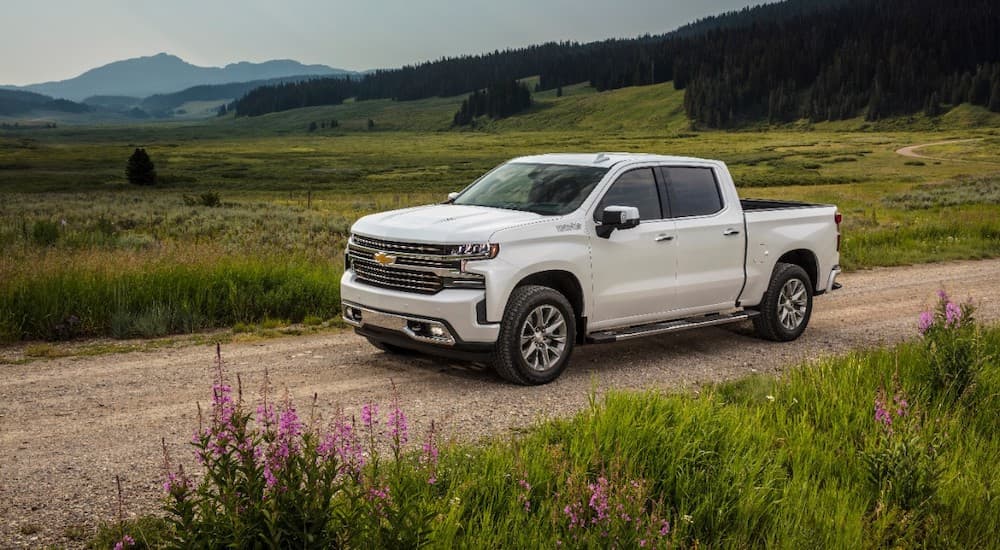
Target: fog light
437, 331
352, 314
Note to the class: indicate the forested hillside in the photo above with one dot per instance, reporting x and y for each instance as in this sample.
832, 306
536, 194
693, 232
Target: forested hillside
778, 62
16, 102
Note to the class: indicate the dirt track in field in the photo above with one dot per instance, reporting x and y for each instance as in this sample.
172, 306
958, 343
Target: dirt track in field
68, 426
912, 151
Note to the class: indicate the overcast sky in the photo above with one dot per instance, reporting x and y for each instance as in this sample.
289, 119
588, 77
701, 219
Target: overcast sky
59, 39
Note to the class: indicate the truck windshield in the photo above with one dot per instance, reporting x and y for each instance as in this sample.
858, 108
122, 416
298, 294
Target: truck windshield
547, 189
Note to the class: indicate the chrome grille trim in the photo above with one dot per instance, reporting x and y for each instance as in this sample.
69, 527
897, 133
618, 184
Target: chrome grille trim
425, 269
392, 246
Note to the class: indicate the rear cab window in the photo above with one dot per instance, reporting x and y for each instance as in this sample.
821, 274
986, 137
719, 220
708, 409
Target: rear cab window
691, 191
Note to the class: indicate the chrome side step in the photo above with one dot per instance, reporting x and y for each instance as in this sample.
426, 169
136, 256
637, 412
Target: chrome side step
608, 336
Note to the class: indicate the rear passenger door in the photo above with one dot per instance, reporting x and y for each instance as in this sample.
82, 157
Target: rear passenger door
710, 241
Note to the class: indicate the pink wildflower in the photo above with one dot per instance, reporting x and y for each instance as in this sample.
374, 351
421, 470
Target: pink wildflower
125, 543
599, 498
398, 429
882, 414
664, 528
369, 415
925, 322
952, 314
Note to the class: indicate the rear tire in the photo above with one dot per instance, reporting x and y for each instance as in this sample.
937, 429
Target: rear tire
786, 306
537, 336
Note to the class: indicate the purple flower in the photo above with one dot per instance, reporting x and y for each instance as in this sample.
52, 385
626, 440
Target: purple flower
398, 430
343, 443
664, 528
125, 543
925, 322
952, 314
265, 415
942, 295
599, 498
882, 414
572, 511
525, 497
901, 404
369, 415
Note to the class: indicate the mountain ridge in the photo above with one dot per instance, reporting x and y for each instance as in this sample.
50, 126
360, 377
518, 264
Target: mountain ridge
165, 73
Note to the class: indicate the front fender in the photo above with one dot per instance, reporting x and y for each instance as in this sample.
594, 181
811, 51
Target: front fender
522, 258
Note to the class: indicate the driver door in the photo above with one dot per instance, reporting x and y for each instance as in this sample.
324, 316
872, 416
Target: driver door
634, 270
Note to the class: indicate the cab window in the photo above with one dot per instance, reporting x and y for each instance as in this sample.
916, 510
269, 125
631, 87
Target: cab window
692, 191
634, 188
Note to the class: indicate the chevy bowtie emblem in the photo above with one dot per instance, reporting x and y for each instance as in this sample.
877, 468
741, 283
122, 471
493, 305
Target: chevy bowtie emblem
384, 259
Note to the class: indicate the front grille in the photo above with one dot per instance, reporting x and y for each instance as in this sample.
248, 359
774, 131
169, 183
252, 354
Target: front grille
362, 250
406, 280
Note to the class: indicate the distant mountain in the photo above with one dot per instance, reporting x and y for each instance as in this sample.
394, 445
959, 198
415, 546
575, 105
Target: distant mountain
16, 102
165, 73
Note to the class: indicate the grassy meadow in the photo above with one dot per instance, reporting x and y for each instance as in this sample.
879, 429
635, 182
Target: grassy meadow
884, 448
82, 252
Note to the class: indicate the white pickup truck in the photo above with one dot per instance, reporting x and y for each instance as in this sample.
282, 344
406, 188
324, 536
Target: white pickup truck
547, 252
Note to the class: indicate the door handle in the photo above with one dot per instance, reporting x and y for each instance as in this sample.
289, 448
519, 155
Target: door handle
661, 238
731, 231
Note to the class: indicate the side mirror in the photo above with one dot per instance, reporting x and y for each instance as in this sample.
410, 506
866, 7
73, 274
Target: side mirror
451, 197
617, 217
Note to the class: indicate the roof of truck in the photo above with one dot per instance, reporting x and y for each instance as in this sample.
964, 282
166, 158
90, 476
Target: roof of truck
604, 159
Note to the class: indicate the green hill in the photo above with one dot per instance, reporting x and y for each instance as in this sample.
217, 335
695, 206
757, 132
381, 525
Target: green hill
641, 108
657, 108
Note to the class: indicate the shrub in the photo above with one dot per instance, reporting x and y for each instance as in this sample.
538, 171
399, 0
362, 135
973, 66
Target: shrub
210, 199
901, 460
952, 340
44, 232
140, 169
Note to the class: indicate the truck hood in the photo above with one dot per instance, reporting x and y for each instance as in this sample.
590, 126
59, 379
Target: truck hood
441, 223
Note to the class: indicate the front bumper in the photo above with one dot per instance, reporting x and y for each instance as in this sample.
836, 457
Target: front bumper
449, 318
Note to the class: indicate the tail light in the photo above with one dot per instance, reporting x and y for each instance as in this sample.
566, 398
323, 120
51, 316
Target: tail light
838, 217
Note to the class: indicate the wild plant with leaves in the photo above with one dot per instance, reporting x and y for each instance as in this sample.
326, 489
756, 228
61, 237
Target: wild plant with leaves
271, 478
953, 342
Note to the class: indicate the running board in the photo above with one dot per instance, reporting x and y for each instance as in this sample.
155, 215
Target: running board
609, 336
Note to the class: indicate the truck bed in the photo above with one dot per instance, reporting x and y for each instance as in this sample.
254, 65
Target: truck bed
768, 204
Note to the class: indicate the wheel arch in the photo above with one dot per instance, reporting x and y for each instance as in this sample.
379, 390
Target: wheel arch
567, 284
804, 258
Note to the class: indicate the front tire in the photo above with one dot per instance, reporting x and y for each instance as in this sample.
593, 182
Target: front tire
537, 336
787, 305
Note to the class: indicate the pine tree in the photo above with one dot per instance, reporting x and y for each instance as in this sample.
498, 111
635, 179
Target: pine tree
933, 107
994, 104
312, 126
140, 169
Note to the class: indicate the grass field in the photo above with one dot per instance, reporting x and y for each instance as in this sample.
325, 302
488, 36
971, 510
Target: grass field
85, 253
869, 450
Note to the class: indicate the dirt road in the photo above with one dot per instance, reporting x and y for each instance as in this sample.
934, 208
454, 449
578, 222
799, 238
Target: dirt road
912, 150
67, 426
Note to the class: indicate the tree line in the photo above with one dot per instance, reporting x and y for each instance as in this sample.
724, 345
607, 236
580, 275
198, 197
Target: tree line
498, 100
821, 60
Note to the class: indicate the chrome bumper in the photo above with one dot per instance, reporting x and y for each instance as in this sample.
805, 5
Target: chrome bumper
421, 330
832, 283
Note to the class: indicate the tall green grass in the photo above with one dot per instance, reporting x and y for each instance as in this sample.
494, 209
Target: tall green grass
797, 461
164, 297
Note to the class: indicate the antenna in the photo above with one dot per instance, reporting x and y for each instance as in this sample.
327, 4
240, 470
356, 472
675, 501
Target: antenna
601, 157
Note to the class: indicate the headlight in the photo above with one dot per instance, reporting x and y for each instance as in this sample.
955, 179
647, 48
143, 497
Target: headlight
475, 251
